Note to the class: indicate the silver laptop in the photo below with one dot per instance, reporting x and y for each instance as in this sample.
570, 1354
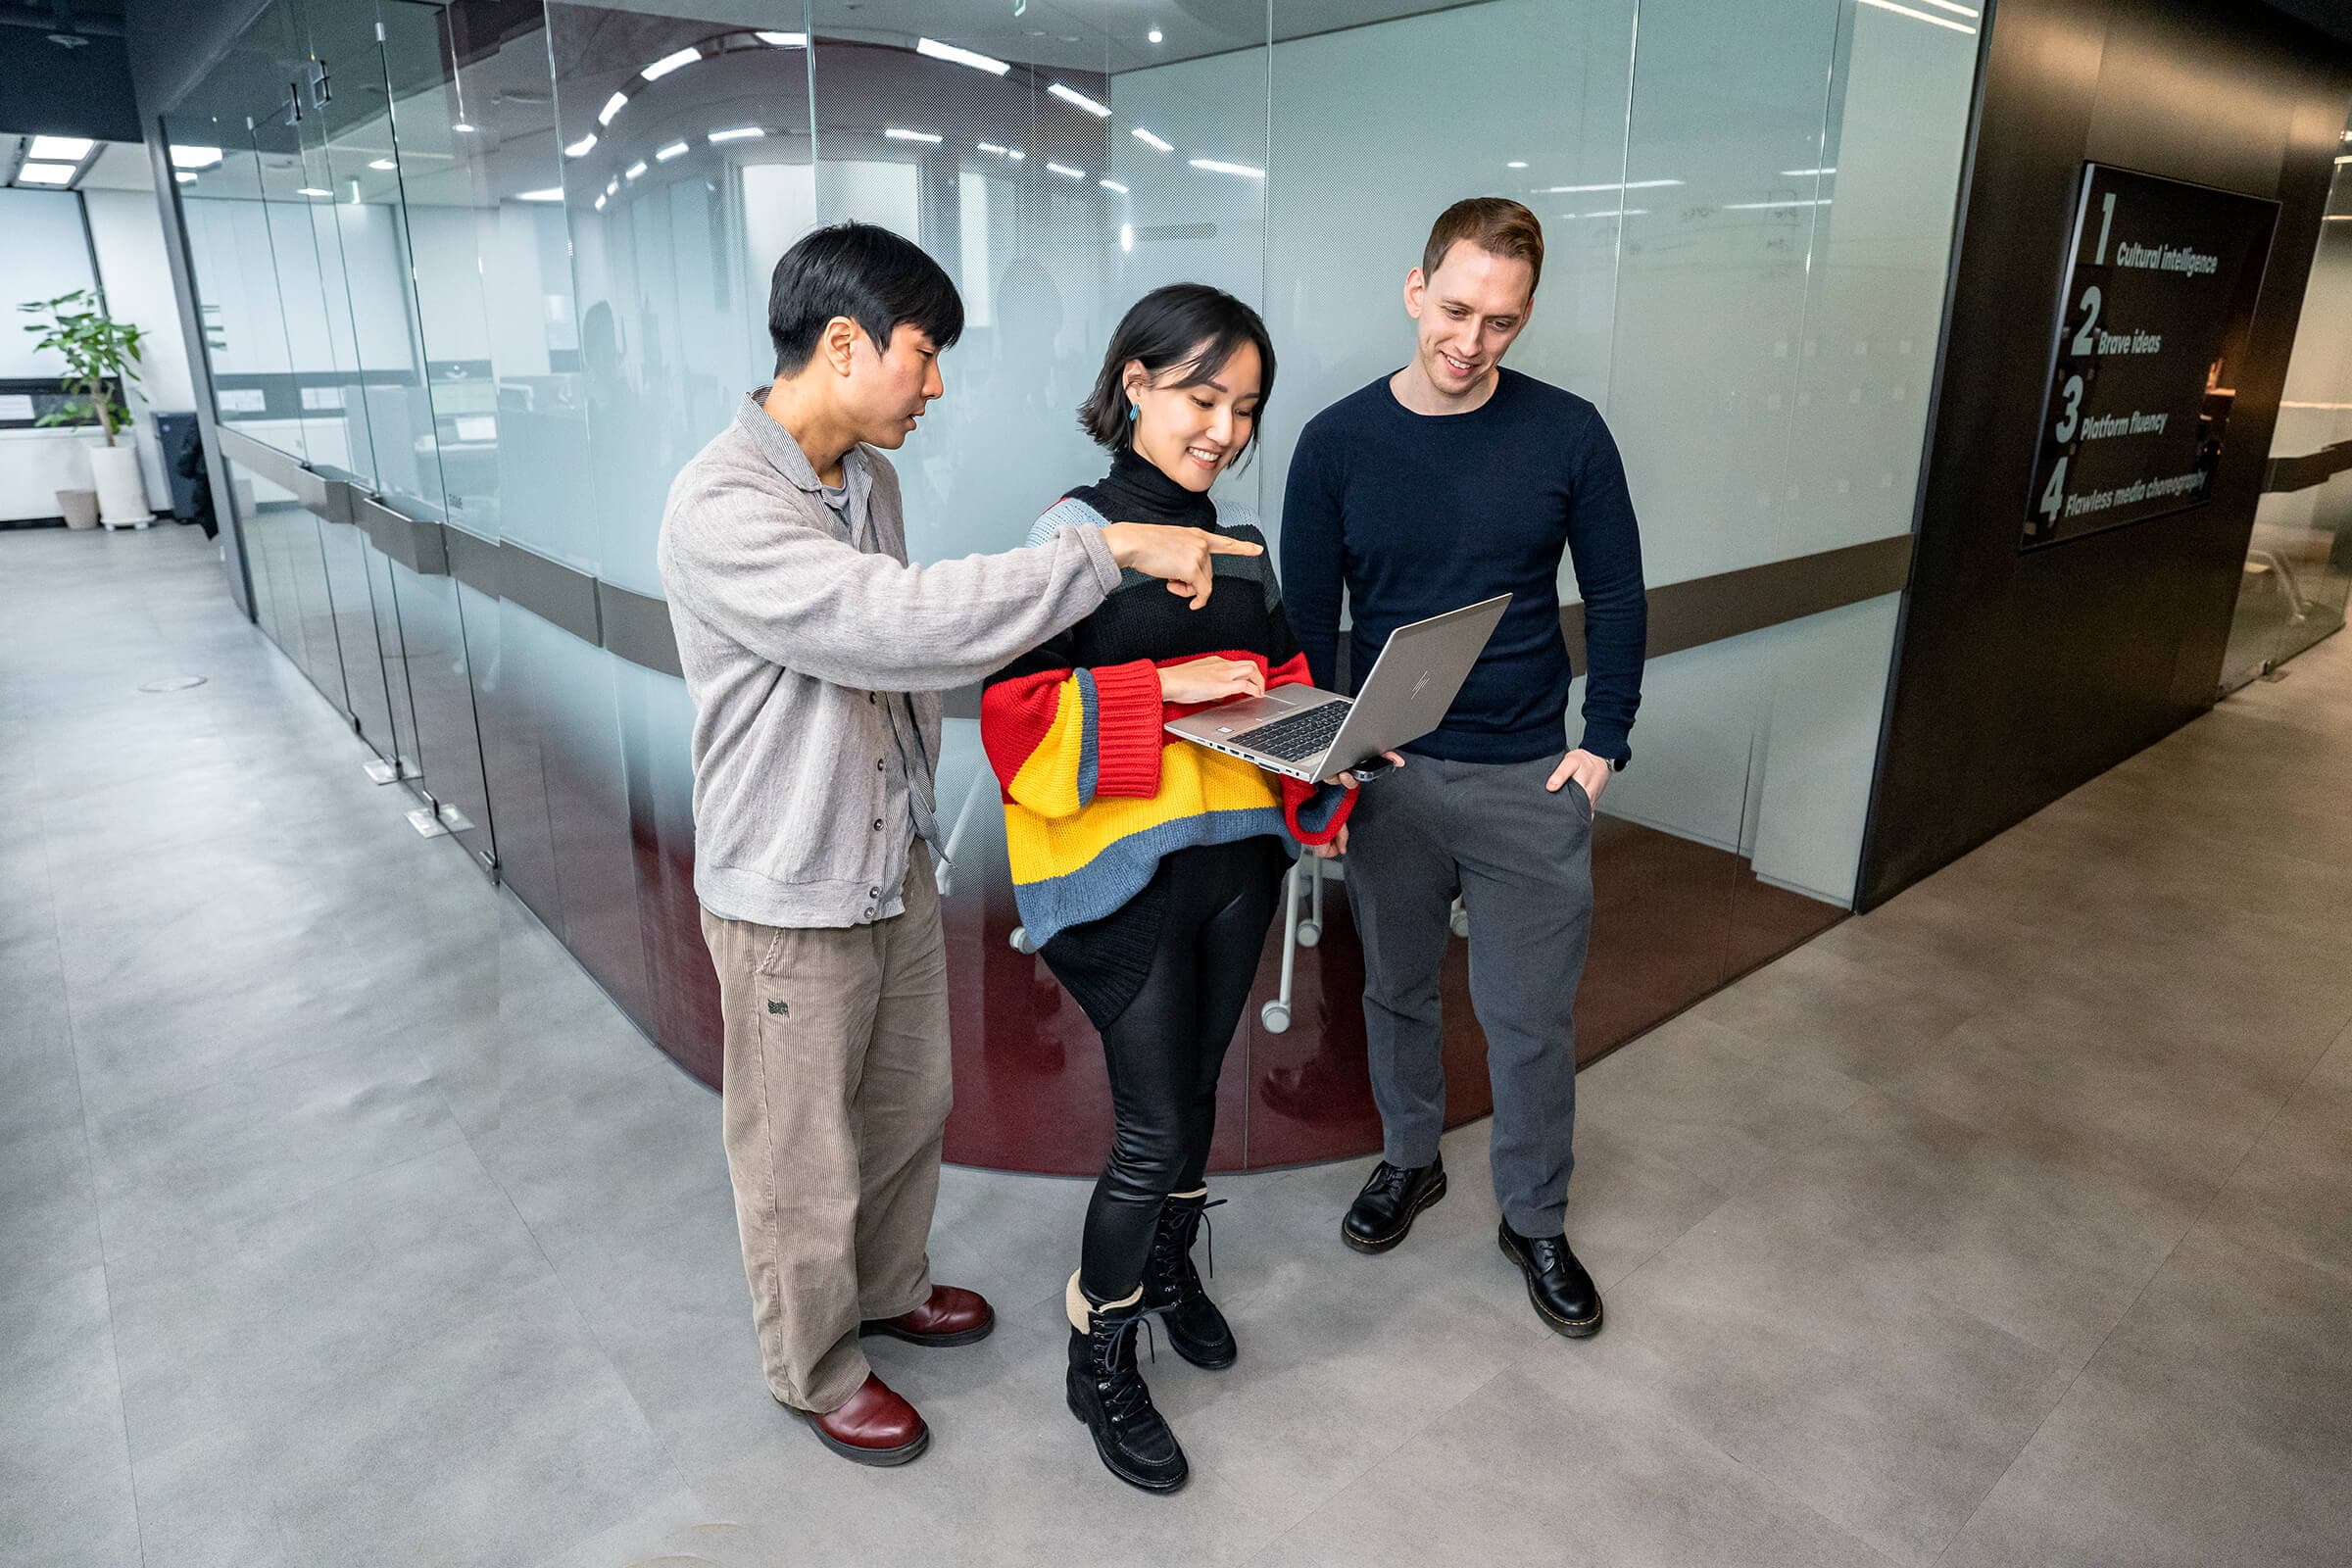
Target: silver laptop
1309, 733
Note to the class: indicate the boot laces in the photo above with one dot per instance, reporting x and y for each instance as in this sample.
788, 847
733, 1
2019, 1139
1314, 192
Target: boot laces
1125, 1396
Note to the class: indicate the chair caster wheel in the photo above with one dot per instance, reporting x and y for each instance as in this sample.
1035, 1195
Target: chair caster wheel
1020, 940
1276, 1017
1309, 933
1459, 922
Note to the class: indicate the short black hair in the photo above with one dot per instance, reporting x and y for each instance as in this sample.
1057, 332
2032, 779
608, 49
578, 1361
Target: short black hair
1190, 326
878, 279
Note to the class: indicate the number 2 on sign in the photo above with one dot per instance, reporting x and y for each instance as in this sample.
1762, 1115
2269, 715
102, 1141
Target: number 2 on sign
2083, 340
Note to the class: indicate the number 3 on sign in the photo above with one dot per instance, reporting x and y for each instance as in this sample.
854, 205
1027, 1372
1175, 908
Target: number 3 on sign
2073, 393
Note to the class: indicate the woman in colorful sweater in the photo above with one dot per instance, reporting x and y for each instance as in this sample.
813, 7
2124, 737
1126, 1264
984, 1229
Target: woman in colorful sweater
1147, 868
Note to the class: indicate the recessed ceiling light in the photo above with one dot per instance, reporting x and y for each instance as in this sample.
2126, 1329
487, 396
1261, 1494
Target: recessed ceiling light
313, 190
1071, 96
936, 50
1218, 165
783, 40
194, 156
553, 193
462, 128
45, 175
382, 163
1154, 35
670, 63
739, 133
897, 134
184, 177
634, 170
612, 106
581, 148
676, 149
1113, 185
1630, 184
1065, 171
1151, 141
1516, 163
62, 148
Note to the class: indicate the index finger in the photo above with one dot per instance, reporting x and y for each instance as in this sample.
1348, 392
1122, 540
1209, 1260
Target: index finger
1220, 545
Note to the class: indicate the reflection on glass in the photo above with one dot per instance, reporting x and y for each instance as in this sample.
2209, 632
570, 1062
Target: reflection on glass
2299, 571
533, 282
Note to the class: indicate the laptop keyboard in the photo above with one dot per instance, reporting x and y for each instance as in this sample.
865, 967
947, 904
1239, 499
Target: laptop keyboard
1299, 736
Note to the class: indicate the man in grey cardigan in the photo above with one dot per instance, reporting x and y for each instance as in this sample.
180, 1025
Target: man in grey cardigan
814, 654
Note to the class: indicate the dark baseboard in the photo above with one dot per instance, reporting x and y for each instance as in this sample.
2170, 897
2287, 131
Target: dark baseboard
157, 521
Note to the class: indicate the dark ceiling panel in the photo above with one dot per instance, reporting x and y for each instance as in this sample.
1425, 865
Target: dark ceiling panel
76, 89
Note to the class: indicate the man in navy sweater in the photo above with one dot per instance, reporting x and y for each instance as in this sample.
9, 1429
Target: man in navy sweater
1448, 482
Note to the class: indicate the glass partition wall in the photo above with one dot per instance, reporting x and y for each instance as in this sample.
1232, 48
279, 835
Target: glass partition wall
2299, 571
542, 236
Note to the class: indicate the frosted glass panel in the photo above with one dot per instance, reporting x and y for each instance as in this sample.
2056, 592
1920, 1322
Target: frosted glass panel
1359, 184
47, 255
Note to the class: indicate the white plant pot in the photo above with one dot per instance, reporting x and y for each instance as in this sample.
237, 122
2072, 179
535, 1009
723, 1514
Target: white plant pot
122, 491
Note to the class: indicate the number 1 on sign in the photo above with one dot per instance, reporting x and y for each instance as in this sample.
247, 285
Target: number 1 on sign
2106, 220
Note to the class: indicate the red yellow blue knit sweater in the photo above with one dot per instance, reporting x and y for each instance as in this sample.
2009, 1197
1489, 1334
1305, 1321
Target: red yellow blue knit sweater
1096, 794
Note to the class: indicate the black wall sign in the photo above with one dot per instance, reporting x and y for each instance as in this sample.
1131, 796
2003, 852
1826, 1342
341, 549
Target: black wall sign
2159, 303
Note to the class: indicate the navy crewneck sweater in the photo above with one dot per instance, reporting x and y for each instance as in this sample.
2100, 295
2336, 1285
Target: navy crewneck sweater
1415, 515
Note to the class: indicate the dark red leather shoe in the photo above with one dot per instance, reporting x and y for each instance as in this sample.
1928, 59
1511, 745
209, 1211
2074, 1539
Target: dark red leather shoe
952, 1316
876, 1427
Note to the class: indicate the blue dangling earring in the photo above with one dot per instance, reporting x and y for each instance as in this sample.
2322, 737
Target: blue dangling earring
1133, 409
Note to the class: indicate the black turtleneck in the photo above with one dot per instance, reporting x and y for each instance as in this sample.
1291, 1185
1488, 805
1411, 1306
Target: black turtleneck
1103, 963
1136, 490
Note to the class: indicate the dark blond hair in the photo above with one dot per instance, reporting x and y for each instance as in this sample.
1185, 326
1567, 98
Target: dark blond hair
1496, 225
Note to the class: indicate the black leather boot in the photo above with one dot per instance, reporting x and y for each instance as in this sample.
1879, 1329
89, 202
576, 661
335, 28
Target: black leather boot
1172, 1287
1562, 1294
1383, 1213
1107, 1393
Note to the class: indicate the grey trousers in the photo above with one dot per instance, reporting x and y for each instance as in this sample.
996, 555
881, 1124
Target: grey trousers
1521, 857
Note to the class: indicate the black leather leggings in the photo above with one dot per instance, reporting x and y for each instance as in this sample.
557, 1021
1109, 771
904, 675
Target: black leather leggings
1165, 1050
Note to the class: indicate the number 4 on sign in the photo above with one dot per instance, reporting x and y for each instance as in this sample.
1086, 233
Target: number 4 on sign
2053, 497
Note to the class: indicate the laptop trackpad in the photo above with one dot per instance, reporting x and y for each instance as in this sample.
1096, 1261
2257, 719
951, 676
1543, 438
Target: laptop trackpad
1232, 719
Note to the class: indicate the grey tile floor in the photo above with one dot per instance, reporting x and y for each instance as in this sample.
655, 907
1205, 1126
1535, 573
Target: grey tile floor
343, 1222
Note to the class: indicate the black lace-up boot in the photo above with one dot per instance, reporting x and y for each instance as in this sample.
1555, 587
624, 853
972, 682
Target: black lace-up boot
1107, 1393
1172, 1285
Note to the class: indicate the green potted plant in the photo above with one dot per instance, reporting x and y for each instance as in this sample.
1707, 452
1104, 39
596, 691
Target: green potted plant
102, 357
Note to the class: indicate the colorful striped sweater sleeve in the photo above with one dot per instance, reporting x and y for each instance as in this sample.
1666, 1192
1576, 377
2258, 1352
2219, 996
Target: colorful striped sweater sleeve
1095, 792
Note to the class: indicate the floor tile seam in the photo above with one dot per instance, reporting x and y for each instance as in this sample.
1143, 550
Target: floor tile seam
1339, 1487
2091, 1359
272, 1069
106, 1275
377, 1355
671, 1459
1879, 1256
272, 1211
